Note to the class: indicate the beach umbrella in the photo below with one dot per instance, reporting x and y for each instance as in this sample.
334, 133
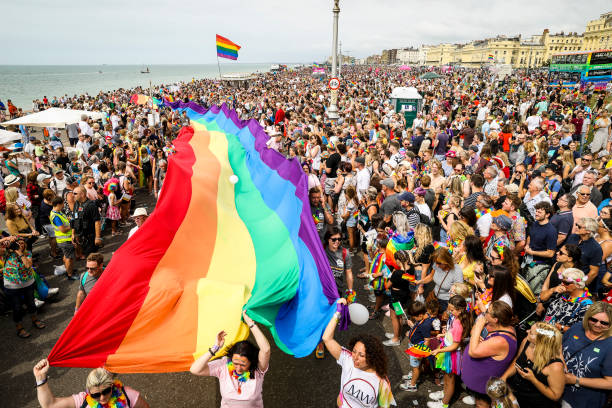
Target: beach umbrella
404, 68
430, 75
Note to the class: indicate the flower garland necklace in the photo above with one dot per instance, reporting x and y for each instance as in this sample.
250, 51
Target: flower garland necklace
241, 378
578, 299
481, 213
117, 400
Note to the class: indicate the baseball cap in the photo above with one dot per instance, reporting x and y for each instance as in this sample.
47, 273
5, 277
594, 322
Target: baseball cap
42, 177
388, 182
503, 221
406, 196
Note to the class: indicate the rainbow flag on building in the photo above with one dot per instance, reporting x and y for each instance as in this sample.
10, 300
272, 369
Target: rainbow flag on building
163, 311
226, 48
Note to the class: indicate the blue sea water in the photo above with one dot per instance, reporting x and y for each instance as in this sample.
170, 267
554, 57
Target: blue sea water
24, 83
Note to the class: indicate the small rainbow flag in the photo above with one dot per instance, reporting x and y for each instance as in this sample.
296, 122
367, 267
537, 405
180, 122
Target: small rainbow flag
355, 214
419, 350
226, 48
491, 57
398, 243
315, 65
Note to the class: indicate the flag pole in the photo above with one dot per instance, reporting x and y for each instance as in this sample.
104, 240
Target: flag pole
219, 66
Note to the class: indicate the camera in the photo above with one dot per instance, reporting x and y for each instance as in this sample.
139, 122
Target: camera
14, 246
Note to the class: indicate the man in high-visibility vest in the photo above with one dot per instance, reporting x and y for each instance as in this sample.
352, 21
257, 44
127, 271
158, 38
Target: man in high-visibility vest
63, 235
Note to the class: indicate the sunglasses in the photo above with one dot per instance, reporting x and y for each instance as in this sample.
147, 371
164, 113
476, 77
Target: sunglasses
335, 239
97, 395
602, 322
585, 194
566, 282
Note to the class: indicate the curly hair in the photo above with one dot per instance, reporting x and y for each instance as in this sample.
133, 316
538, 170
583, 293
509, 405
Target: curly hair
375, 353
246, 349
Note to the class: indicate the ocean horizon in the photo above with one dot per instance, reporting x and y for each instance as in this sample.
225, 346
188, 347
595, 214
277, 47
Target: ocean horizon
25, 83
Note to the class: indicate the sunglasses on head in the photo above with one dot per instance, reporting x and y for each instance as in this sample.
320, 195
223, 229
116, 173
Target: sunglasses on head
602, 322
97, 395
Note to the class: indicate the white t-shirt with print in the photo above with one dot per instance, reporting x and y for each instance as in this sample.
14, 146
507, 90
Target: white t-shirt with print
358, 389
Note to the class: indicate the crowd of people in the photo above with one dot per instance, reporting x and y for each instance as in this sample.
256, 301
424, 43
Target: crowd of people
484, 227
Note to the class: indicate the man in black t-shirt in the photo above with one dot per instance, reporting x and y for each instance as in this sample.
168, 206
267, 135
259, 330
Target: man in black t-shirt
86, 222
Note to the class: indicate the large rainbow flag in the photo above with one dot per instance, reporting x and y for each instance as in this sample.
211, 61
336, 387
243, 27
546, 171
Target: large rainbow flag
226, 48
209, 249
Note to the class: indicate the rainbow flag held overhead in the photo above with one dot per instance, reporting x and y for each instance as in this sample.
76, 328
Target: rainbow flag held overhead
315, 65
139, 99
491, 57
226, 48
398, 243
192, 272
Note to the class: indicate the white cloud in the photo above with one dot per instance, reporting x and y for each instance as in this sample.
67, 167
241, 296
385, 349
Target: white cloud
182, 31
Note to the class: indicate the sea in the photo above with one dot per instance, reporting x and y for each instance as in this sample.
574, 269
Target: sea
25, 83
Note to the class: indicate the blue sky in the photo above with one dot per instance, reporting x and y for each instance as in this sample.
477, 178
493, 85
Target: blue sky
182, 31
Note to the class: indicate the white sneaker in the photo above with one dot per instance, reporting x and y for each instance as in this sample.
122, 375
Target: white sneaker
391, 343
52, 292
407, 376
389, 335
59, 270
372, 298
38, 303
436, 396
436, 404
469, 400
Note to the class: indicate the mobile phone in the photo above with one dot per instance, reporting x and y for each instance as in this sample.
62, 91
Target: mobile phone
519, 367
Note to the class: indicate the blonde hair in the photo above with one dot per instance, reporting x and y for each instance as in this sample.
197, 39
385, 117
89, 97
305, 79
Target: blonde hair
423, 237
460, 230
568, 159
547, 345
596, 308
455, 201
576, 275
400, 220
456, 185
99, 377
462, 289
11, 195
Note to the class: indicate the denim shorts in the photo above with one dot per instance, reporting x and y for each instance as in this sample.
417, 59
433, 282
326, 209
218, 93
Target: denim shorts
414, 361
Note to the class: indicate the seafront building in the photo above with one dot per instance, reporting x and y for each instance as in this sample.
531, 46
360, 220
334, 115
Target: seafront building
517, 51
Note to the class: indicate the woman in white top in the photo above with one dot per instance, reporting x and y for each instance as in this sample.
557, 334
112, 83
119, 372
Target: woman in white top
364, 382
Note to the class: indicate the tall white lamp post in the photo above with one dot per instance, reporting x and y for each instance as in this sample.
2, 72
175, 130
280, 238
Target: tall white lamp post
332, 111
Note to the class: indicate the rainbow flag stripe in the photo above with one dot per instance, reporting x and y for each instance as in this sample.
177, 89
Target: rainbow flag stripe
165, 310
226, 48
398, 243
419, 350
139, 99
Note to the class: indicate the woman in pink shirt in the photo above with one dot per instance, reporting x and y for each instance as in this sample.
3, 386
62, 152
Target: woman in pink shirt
103, 390
240, 371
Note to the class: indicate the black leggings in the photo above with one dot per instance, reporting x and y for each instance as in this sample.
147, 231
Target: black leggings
19, 297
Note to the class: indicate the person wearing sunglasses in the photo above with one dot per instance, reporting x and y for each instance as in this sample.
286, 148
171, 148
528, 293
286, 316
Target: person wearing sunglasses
587, 351
102, 389
571, 302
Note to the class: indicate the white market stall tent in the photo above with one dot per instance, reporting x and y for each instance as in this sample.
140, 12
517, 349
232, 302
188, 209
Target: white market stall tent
53, 117
7, 137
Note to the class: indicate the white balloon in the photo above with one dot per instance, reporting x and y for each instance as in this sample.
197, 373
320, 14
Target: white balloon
359, 313
233, 179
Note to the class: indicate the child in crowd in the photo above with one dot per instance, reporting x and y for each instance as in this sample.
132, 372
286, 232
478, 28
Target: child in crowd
448, 357
420, 332
379, 274
399, 287
500, 394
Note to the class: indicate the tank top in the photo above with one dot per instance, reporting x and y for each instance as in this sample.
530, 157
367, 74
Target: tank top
525, 392
475, 372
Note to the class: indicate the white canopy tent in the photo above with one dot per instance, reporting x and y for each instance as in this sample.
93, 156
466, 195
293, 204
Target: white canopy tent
7, 137
53, 117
